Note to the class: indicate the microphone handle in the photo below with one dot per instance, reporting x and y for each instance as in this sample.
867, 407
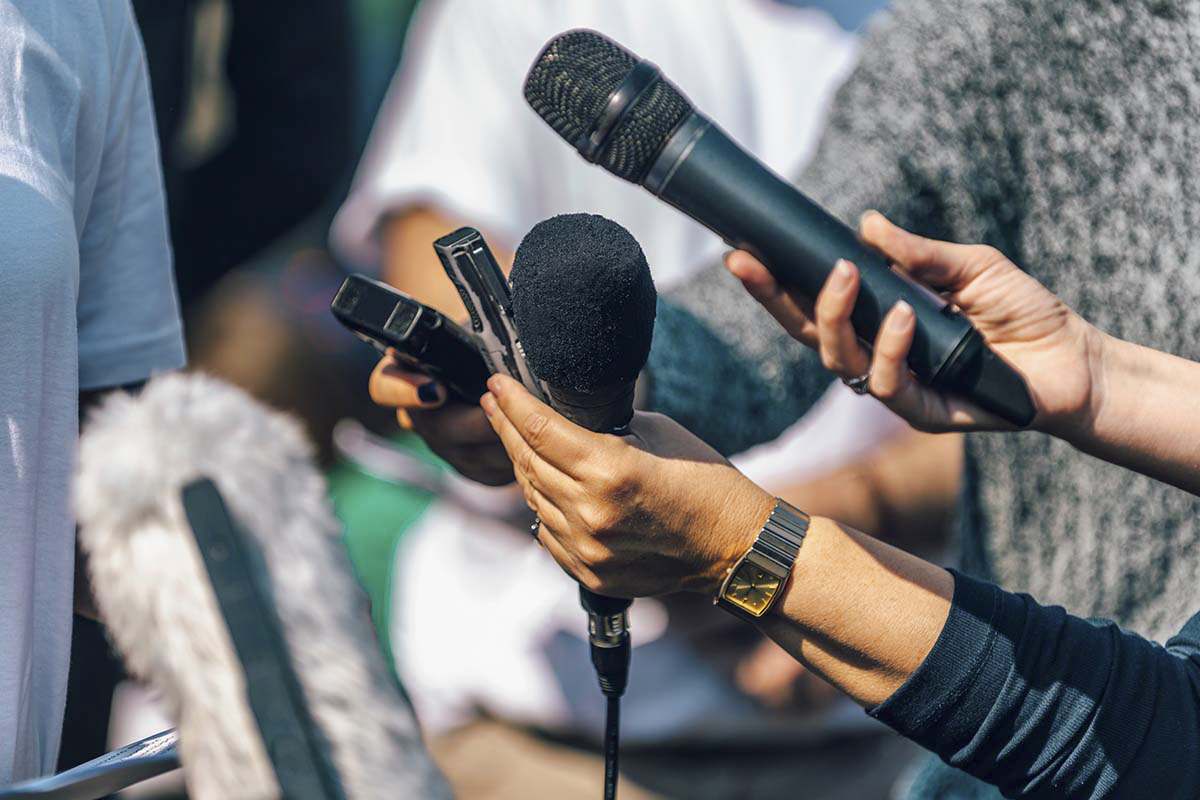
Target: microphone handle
603, 410
706, 175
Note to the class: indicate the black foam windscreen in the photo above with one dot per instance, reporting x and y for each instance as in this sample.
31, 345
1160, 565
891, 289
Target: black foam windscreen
584, 302
570, 83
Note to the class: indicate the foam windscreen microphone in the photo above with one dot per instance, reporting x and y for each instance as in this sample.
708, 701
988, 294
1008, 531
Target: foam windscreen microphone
584, 302
254, 471
621, 113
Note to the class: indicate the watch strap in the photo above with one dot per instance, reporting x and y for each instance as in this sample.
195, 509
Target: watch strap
782, 534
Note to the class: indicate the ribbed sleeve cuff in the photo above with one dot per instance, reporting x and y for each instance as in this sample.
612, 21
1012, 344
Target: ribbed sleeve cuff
933, 707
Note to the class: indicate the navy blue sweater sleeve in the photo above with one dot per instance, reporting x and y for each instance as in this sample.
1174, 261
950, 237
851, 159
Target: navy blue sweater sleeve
1044, 704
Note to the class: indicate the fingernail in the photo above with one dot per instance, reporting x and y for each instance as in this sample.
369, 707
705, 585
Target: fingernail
494, 383
903, 314
428, 392
842, 273
870, 212
488, 403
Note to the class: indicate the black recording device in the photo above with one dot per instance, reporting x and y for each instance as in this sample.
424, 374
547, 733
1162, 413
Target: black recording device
419, 337
621, 113
429, 341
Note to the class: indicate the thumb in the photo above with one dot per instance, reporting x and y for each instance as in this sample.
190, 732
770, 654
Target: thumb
393, 386
941, 265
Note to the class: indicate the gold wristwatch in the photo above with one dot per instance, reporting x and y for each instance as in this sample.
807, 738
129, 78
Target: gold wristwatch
752, 584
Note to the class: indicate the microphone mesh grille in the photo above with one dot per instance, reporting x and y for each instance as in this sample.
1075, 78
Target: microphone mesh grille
572, 79
570, 83
632, 147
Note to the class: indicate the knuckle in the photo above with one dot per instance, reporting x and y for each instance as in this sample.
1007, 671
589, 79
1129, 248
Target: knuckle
593, 553
828, 359
884, 389
599, 518
614, 479
535, 429
590, 580
984, 256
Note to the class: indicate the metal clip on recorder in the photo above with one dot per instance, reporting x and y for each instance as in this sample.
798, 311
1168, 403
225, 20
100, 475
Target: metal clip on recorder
485, 292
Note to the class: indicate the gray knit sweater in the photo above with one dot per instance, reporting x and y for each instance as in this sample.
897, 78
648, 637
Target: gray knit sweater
1065, 134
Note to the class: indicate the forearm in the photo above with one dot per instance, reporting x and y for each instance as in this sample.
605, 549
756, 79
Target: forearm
1146, 414
412, 266
1026, 697
1045, 704
904, 493
859, 612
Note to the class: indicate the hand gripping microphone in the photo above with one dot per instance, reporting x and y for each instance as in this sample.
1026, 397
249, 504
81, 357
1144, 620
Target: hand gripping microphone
218, 566
621, 113
584, 302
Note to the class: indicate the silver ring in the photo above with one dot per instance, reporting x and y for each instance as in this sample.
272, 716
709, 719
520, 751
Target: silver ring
859, 385
533, 529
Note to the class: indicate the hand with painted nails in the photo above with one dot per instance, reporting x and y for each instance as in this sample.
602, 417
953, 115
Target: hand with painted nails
651, 513
1055, 349
457, 432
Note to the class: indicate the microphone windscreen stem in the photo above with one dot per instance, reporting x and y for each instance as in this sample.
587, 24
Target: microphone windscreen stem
606, 410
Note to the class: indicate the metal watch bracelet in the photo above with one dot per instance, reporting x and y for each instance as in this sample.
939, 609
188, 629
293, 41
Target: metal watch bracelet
755, 581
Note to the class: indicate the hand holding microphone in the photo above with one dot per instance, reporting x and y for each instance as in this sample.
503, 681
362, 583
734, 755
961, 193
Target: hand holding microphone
652, 513
1056, 349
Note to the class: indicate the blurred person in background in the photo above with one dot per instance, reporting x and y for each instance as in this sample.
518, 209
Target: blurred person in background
90, 304
432, 167
255, 106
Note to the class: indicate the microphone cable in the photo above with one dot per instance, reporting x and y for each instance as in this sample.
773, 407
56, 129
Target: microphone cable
608, 637
611, 650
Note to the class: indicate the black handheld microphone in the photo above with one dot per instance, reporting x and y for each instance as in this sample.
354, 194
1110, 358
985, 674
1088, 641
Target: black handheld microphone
621, 113
584, 302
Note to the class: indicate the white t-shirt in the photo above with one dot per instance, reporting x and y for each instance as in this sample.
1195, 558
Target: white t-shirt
88, 301
456, 134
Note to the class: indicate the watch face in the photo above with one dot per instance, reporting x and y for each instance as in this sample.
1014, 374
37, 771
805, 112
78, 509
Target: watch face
752, 588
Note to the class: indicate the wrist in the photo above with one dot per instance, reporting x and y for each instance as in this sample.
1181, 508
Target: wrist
1069, 411
744, 516
1103, 356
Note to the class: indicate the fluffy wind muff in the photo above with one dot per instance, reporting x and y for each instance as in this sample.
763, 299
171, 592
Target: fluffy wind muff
135, 456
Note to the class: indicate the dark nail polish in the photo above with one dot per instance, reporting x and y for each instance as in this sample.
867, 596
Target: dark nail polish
428, 392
